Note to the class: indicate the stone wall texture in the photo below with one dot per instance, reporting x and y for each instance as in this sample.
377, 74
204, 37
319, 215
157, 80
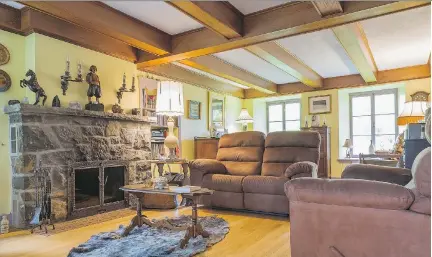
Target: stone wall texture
61, 138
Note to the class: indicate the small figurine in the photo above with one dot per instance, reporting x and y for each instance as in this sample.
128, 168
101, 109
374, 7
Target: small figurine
94, 85
116, 109
56, 101
34, 86
136, 111
315, 121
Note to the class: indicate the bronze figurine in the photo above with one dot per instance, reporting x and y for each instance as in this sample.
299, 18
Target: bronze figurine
34, 86
94, 85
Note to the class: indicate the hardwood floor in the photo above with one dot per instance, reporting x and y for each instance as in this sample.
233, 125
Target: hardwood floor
250, 235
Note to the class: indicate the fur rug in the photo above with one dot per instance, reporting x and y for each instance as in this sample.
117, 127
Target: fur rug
152, 242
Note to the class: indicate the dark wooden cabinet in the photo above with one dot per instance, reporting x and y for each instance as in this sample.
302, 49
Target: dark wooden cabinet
324, 165
206, 148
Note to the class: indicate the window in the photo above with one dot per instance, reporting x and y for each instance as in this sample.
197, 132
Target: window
283, 116
373, 119
13, 140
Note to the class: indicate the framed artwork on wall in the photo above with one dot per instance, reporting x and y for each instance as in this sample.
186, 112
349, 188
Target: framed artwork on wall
320, 104
216, 109
5, 81
194, 110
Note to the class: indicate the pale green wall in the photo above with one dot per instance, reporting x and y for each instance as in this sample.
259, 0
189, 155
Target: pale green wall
16, 69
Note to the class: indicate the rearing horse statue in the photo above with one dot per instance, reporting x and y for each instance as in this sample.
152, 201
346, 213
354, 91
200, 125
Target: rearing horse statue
34, 86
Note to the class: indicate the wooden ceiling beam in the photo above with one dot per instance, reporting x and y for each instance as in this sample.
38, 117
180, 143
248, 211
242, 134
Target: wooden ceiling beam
215, 15
284, 21
351, 81
175, 72
354, 41
101, 18
10, 19
279, 57
220, 68
35, 21
326, 8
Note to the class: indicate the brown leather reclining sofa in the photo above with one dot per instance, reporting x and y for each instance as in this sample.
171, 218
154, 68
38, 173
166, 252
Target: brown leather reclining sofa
249, 172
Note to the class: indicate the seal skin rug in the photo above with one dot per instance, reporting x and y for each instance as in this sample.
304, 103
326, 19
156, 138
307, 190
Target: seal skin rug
153, 242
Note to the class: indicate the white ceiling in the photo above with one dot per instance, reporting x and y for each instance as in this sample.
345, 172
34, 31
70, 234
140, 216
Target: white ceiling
322, 52
250, 62
157, 14
209, 75
400, 40
251, 6
13, 4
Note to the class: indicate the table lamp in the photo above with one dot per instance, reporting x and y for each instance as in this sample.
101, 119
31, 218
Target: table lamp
169, 102
244, 118
348, 146
414, 111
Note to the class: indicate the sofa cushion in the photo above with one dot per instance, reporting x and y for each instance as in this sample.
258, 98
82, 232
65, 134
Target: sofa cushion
225, 183
284, 148
264, 185
242, 152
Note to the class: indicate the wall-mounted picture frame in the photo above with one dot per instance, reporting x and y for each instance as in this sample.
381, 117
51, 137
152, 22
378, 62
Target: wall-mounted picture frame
320, 104
216, 111
4, 55
194, 110
5, 81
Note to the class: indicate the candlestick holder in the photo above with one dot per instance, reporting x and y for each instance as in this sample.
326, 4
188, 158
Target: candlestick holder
66, 78
123, 88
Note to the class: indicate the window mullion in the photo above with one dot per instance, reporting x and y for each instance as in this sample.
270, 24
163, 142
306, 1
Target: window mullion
283, 116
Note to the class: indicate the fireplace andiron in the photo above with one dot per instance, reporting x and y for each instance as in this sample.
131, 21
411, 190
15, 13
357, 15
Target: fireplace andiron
42, 214
34, 86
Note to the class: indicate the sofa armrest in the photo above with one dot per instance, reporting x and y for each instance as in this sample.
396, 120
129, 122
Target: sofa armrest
301, 169
392, 175
350, 192
198, 168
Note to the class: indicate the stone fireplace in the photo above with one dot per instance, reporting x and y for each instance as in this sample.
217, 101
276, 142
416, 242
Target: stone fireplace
88, 156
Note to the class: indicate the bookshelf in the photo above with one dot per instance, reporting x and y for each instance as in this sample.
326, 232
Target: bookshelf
159, 128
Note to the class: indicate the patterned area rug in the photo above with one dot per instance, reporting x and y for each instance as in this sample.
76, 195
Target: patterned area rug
153, 242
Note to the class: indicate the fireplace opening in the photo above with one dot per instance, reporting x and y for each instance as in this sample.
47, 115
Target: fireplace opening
86, 188
114, 178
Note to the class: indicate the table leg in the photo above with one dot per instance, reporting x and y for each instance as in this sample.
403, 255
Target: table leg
139, 219
195, 229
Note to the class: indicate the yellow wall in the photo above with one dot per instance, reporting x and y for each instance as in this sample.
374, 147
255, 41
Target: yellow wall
51, 57
15, 68
332, 121
417, 85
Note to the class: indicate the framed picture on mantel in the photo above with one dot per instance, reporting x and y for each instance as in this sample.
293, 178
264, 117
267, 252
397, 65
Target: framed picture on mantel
320, 104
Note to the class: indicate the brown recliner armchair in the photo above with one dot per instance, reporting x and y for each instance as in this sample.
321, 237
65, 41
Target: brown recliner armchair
250, 169
357, 218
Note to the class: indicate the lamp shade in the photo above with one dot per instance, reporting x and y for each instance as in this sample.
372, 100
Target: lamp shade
169, 99
347, 143
244, 117
413, 112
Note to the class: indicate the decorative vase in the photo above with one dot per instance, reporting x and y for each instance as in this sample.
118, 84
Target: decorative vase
371, 148
4, 225
160, 183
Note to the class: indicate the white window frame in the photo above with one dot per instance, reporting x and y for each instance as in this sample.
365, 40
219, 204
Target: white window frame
283, 103
372, 94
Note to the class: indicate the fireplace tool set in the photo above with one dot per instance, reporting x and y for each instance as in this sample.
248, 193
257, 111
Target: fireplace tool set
42, 213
